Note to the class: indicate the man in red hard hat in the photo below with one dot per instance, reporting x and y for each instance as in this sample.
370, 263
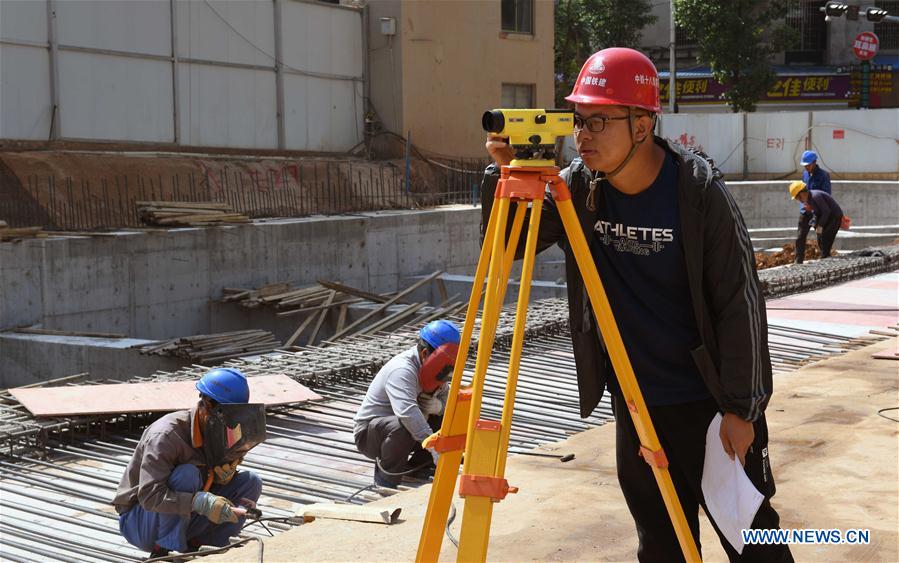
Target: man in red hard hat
678, 268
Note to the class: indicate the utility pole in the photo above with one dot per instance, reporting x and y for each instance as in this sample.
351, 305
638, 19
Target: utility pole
672, 65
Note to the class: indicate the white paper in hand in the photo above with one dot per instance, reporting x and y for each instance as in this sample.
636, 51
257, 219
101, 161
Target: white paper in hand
730, 496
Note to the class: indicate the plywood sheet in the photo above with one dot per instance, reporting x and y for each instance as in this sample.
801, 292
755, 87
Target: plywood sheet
148, 397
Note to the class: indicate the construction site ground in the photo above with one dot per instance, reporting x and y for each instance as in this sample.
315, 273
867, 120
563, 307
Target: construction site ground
835, 462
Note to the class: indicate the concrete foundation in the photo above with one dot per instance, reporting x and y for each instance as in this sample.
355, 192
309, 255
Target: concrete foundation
28, 358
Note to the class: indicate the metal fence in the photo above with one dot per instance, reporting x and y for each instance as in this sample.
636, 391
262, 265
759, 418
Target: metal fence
295, 189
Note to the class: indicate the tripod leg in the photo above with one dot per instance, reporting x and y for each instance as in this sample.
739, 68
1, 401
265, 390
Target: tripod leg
651, 449
483, 481
455, 419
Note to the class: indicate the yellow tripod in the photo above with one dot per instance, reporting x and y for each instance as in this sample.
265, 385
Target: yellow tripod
486, 442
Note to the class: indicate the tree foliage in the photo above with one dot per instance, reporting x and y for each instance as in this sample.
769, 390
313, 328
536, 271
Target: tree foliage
586, 26
737, 38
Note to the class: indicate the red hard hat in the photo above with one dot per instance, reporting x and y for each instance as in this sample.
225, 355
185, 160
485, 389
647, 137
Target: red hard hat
618, 77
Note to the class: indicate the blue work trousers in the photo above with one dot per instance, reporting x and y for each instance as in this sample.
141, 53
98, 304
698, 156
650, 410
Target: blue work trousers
145, 529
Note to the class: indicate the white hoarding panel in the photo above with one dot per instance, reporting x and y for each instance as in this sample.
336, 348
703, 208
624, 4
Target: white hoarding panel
23, 20
25, 107
115, 98
227, 31
322, 115
318, 38
775, 141
718, 135
227, 107
857, 140
136, 26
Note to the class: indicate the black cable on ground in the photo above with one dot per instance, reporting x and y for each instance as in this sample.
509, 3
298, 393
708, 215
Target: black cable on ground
881, 411
198, 553
449, 521
401, 473
365, 488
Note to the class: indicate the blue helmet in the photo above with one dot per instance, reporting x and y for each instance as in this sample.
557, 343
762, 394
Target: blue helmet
438, 333
808, 157
225, 385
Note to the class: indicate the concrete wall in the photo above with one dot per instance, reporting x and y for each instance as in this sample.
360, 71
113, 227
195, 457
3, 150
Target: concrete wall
157, 285
28, 358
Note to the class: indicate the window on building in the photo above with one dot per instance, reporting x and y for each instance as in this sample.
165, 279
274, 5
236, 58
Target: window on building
888, 33
518, 16
808, 21
518, 96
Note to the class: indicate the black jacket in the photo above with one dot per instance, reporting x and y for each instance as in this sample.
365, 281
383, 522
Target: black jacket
733, 358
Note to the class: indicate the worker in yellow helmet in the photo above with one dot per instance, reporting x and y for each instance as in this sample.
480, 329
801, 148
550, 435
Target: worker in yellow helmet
827, 214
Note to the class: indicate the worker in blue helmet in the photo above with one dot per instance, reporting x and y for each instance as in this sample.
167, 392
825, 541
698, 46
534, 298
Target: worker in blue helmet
171, 496
404, 405
815, 178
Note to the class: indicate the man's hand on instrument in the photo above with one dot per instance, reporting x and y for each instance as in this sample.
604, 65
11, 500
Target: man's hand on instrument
499, 149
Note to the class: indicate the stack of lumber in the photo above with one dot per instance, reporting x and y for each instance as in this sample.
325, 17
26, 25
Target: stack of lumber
215, 347
314, 303
8, 233
187, 213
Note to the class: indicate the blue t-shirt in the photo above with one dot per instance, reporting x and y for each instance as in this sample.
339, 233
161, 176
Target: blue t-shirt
639, 252
819, 179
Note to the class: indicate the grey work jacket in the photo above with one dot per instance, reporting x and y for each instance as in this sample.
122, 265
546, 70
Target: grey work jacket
164, 445
733, 358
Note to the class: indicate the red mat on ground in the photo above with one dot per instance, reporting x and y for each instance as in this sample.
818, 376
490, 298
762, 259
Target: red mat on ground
148, 397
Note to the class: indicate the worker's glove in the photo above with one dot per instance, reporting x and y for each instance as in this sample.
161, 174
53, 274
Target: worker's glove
434, 455
217, 509
429, 404
225, 472
819, 230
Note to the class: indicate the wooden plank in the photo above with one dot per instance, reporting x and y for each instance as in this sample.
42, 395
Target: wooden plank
354, 291
341, 319
375, 514
291, 312
189, 204
321, 317
148, 397
392, 300
298, 331
392, 319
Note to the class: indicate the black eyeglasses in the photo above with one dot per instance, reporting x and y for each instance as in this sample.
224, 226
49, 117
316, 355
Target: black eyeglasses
596, 124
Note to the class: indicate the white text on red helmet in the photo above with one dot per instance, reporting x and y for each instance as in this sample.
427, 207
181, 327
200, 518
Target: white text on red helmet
592, 80
646, 79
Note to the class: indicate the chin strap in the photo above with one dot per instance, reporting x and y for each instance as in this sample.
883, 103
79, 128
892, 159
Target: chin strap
599, 175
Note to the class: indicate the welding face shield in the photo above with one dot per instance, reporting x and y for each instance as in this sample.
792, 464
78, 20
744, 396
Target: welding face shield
232, 429
438, 367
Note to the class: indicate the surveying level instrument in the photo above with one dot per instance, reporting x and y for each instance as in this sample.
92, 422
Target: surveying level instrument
486, 442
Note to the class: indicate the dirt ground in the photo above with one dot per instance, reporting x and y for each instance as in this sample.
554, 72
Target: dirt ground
787, 255
834, 460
